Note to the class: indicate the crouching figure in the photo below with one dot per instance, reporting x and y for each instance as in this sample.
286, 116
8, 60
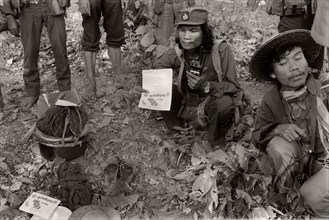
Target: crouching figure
292, 122
206, 77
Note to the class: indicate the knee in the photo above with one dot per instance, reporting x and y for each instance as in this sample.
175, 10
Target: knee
315, 192
224, 105
279, 147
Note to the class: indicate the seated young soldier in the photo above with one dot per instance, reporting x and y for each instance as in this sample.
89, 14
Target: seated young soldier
198, 76
292, 122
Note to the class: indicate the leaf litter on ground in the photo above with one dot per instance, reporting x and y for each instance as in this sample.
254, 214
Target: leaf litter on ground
198, 182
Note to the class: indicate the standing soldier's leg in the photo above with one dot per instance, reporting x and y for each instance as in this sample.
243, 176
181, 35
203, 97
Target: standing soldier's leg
165, 24
113, 25
90, 44
179, 5
31, 27
57, 36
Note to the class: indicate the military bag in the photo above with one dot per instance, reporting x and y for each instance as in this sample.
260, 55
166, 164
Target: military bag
286, 7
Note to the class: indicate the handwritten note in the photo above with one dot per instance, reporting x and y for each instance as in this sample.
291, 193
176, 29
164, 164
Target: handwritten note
40, 205
158, 83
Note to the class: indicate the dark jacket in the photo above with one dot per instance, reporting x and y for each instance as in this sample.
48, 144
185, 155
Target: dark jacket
272, 113
229, 84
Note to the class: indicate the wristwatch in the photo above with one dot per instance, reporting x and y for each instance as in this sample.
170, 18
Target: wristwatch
207, 88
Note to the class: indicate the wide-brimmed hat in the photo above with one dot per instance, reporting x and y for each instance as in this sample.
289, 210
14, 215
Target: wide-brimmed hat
260, 63
95, 212
192, 16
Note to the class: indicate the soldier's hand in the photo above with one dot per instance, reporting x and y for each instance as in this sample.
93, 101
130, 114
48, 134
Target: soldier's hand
13, 26
84, 7
138, 90
196, 82
290, 132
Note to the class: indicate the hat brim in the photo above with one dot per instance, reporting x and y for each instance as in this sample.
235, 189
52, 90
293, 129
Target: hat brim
258, 66
95, 212
188, 23
60, 212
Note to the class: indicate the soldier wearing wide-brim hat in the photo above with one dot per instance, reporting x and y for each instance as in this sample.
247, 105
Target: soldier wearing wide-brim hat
260, 63
292, 122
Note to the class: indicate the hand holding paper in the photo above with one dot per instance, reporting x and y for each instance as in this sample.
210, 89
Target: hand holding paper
159, 84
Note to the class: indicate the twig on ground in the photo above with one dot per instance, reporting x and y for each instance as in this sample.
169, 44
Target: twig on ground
276, 210
28, 134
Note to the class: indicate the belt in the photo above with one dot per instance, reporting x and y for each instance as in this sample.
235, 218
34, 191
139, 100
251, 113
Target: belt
31, 2
173, 1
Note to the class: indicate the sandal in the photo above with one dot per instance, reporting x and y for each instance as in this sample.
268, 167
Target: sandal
111, 173
127, 174
29, 101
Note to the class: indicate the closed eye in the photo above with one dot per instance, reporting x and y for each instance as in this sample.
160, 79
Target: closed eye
282, 63
298, 57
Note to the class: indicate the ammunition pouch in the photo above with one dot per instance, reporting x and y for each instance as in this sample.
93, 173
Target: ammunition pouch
287, 7
293, 9
56, 7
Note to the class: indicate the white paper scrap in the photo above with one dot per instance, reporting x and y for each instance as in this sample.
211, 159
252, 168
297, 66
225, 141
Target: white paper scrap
158, 83
40, 205
61, 102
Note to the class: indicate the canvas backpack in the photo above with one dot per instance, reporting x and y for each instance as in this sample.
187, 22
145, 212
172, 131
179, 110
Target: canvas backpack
286, 7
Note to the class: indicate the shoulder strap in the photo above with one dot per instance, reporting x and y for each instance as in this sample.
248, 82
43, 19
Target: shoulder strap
216, 61
179, 54
314, 113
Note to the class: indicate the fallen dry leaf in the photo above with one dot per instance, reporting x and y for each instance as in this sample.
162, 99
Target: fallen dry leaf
16, 186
